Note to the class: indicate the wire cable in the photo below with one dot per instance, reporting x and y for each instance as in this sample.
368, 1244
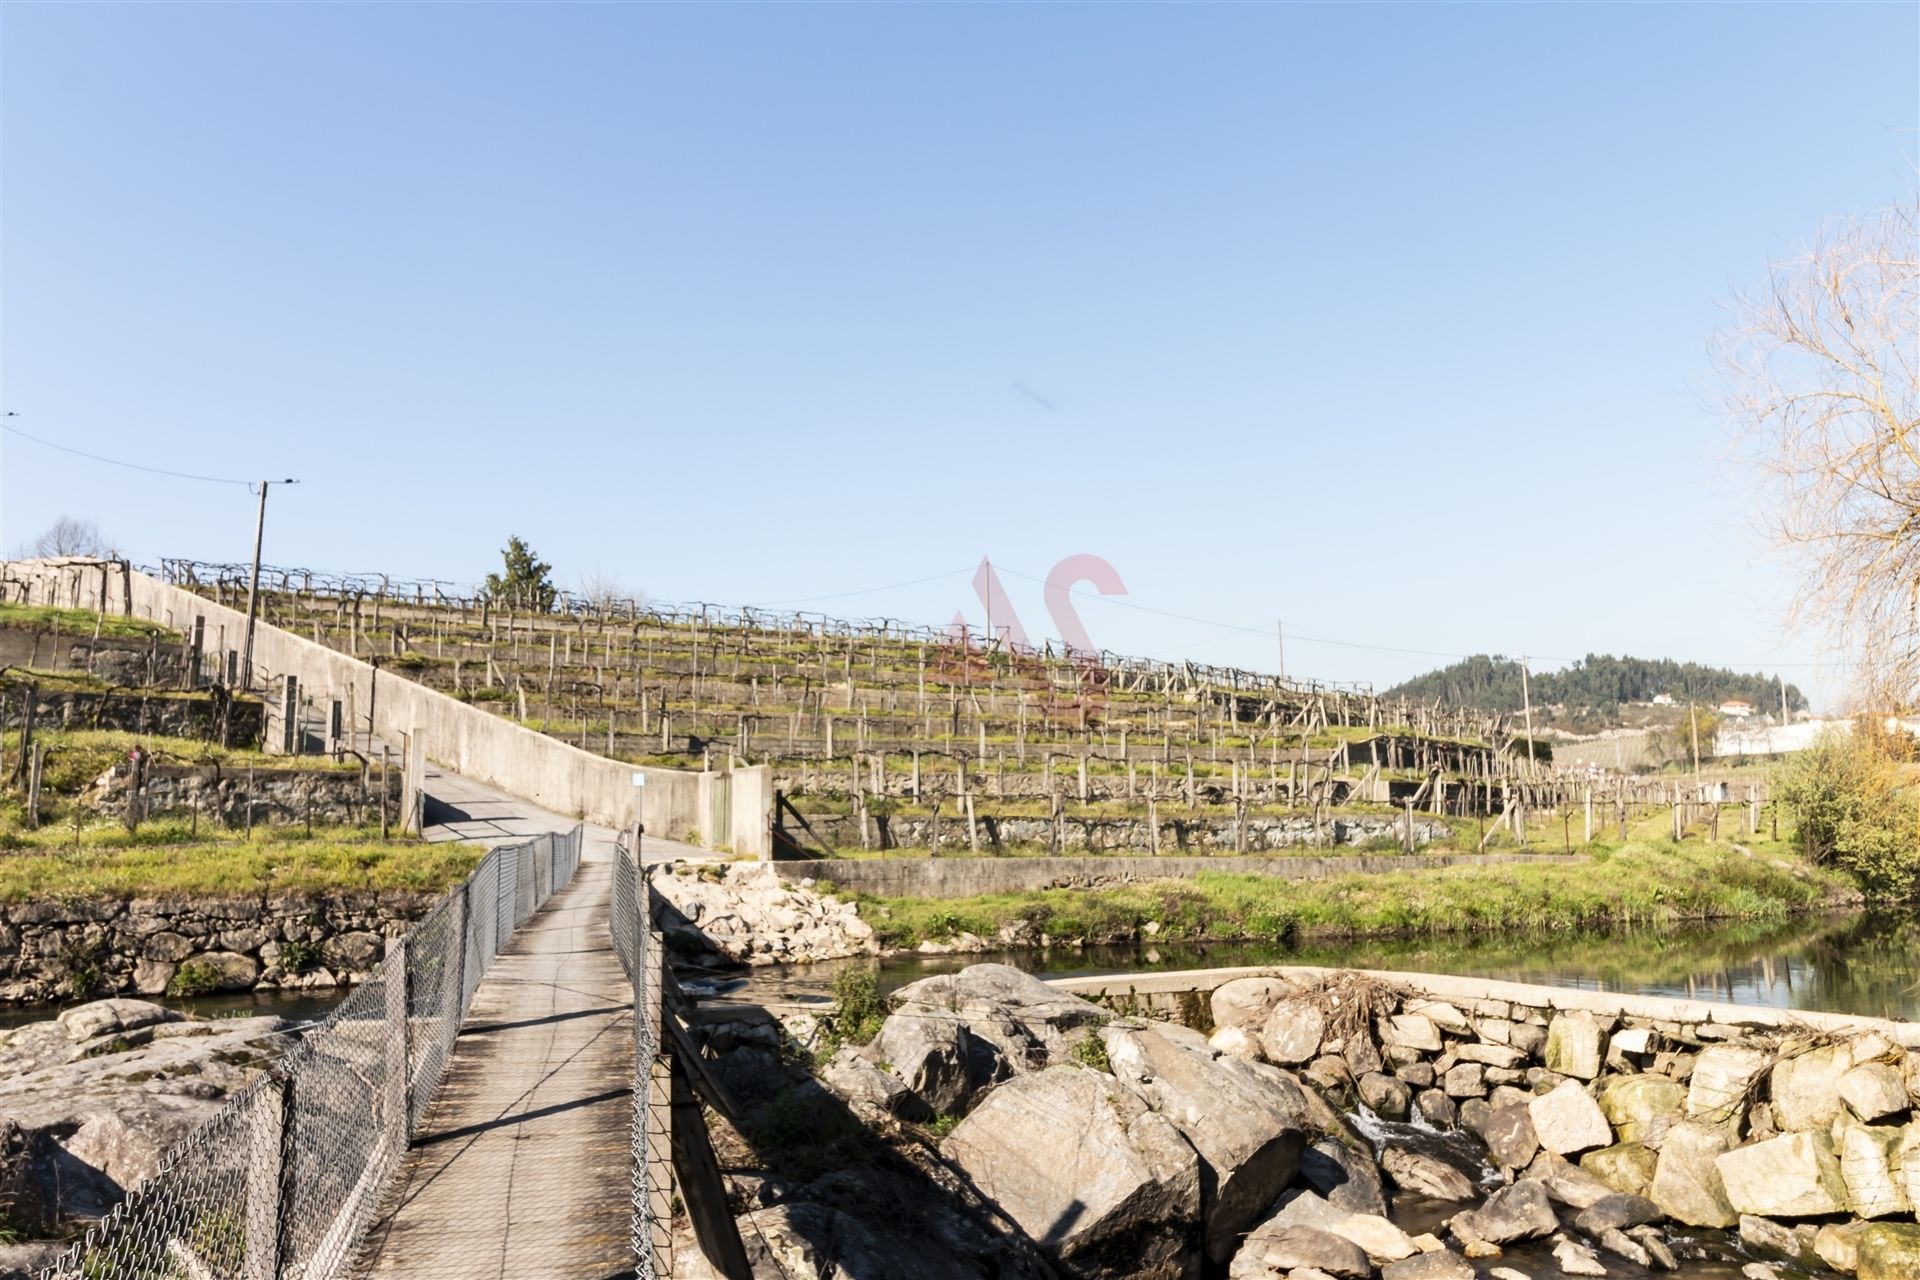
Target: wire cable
131, 466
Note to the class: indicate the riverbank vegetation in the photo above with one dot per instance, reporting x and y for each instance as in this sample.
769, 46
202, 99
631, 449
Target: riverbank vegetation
1643, 882
1855, 802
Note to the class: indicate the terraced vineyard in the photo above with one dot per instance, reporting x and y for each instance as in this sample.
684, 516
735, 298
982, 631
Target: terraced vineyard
873, 727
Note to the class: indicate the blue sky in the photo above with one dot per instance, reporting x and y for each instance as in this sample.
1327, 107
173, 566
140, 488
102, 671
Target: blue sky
1390, 321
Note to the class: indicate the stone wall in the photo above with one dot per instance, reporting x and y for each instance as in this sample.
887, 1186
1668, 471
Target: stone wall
58, 950
968, 877
1177, 834
234, 797
171, 715
156, 662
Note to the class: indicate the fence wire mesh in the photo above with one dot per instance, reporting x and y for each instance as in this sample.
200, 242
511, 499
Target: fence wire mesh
629, 923
282, 1182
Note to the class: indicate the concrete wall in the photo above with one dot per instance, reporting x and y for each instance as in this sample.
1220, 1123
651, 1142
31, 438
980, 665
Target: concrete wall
966, 877
465, 739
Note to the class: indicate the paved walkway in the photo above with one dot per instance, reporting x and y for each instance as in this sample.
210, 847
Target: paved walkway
459, 808
520, 1166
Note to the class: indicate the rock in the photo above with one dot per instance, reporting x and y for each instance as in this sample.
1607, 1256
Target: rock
1792, 1176
1273, 1249
938, 1059
1577, 1260
1519, 1212
1618, 1212
1806, 1088
1627, 1167
1760, 1271
1380, 1239
1087, 1171
1418, 1074
1426, 1175
1508, 1273
1722, 1077
1030, 1023
1875, 1187
1642, 1107
1838, 1245
1771, 1239
1440, 1264
1510, 1138
1617, 1241
1873, 1090
1467, 1080
1236, 1042
1349, 1179
1568, 1183
1386, 1097
1649, 1238
1638, 1041
1498, 1056
1575, 1045
865, 1085
1414, 1030
1247, 1121
102, 1017
1292, 1032
1567, 1121
1889, 1251
1245, 1002
1445, 1016
1687, 1184
1437, 1109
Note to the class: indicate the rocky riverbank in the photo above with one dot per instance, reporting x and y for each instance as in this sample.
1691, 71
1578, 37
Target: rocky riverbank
92, 1099
1032, 1132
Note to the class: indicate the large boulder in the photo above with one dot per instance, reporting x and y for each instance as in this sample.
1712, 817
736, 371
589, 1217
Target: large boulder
1245, 1002
1107, 1187
1426, 1175
1686, 1180
1627, 1167
1873, 1091
1567, 1121
1381, 1240
1889, 1251
1292, 1032
1576, 1046
1723, 1075
1876, 1186
1246, 1120
1806, 1088
870, 1088
1642, 1107
1030, 1023
1519, 1212
1348, 1178
1438, 1264
939, 1060
1510, 1137
1792, 1176
1567, 1182
1274, 1250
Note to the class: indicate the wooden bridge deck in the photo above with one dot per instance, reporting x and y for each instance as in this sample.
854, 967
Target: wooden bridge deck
520, 1166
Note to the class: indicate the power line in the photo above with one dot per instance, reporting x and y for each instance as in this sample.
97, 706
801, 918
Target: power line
841, 595
131, 466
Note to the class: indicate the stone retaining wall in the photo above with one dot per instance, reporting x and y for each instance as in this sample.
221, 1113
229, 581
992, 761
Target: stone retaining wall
59, 950
171, 715
1177, 834
968, 877
234, 797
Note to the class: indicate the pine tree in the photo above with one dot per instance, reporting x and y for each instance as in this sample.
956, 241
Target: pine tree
527, 582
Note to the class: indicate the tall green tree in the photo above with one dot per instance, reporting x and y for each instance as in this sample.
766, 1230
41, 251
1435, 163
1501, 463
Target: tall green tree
527, 580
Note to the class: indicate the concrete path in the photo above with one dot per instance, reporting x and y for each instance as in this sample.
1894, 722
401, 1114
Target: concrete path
459, 808
520, 1166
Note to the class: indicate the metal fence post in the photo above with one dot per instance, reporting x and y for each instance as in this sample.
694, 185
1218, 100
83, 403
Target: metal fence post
399, 1087
463, 909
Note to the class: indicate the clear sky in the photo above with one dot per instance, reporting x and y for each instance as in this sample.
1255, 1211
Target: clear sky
1388, 321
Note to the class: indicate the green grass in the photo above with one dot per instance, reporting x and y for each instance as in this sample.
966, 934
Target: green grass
1645, 882
75, 757
230, 870
40, 617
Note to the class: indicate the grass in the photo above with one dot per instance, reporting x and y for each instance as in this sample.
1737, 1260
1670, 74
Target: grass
40, 617
227, 870
1644, 882
75, 757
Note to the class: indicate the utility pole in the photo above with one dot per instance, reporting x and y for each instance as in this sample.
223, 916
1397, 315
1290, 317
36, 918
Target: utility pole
1526, 700
253, 586
1280, 635
1693, 726
1783, 700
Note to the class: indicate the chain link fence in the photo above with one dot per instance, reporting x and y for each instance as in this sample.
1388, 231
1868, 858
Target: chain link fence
283, 1181
630, 925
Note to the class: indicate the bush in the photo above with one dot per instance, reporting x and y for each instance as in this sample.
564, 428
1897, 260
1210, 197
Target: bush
1854, 806
1091, 1051
193, 979
861, 1011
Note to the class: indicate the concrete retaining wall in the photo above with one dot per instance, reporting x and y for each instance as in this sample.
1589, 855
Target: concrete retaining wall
465, 739
967, 877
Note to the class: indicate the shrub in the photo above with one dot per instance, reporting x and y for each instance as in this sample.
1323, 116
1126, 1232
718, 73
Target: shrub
1091, 1051
1854, 806
193, 979
860, 1010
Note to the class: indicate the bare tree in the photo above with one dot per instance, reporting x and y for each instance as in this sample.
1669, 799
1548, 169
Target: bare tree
69, 537
603, 591
1823, 369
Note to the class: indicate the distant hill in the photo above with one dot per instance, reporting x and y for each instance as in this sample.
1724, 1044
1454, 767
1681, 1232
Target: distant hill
1600, 682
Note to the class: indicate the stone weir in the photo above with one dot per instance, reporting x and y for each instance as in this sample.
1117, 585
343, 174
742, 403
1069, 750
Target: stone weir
1307, 1124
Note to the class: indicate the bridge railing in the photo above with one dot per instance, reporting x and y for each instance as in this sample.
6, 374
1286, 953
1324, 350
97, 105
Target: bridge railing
630, 924
282, 1182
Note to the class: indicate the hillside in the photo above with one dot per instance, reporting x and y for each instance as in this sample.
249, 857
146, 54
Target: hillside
1599, 685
